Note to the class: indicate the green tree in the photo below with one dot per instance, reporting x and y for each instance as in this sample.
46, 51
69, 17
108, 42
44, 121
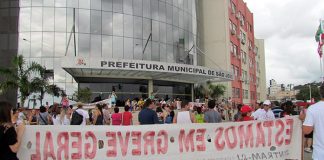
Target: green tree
304, 93
83, 95
209, 89
41, 85
19, 76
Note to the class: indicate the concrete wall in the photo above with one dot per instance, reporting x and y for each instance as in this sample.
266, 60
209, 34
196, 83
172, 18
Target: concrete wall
260, 58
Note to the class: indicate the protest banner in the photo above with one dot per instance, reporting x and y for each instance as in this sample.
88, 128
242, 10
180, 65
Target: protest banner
253, 140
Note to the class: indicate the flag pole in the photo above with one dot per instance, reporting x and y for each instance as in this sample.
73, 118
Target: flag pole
321, 65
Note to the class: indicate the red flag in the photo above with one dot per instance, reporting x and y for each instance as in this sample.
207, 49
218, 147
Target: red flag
320, 44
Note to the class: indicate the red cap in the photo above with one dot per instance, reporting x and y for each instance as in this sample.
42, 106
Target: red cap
246, 109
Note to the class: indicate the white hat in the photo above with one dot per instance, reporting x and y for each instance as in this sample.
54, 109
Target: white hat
267, 102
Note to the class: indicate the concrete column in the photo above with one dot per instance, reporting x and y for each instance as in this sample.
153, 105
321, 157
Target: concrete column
192, 92
150, 87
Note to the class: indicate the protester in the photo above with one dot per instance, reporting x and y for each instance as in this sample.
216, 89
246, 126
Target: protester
43, 117
308, 137
199, 116
65, 116
14, 116
178, 103
246, 113
134, 105
212, 116
160, 115
21, 116
288, 110
106, 114
56, 119
10, 137
169, 115
33, 118
258, 109
277, 109
314, 121
184, 115
127, 117
98, 115
265, 113
80, 116
113, 98
238, 115
140, 103
147, 115
65, 101
116, 118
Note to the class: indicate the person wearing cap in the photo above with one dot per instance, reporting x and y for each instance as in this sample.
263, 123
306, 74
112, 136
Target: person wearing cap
246, 113
265, 113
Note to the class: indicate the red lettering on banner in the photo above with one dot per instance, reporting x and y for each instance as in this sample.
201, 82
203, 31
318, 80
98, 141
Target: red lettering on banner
246, 136
77, 144
289, 131
63, 146
48, 144
112, 142
186, 140
162, 149
269, 125
37, 155
218, 143
201, 138
123, 142
149, 141
230, 144
137, 142
90, 154
260, 135
279, 138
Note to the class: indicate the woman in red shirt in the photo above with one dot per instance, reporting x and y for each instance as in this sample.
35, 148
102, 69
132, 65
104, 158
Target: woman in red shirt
116, 118
246, 113
127, 117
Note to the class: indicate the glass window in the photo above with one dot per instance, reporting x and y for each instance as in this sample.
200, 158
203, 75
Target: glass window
138, 27
175, 16
36, 19
13, 40
169, 54
146, 28
128, 8
72, 3
59, 73
107, 23
95, 46
84, 21
169, 13
36, 44
138, 9
138, 49
95, 22
84, 4
118, 24
71, 50
162, 32
163, 55
24, 45
169, 35
25, 3
128, 21
162, 11
96, 4
181, 17
37, 2
107, 5
48, 63
118, 47
147, 8
155, 51
60, 44
155, 31
24, 24
175, 35
69, 19
48, 44
107, 46
84, 45
118, 6
60, 19
128, 48
155, 9
60, 3
48, 19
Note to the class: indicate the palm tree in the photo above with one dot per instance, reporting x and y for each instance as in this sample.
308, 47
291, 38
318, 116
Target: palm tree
18, 76
209, 89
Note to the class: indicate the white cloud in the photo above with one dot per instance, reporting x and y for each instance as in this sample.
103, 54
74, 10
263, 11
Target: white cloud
288, 28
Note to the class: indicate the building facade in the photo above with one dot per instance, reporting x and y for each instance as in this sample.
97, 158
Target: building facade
226, 31
70, 37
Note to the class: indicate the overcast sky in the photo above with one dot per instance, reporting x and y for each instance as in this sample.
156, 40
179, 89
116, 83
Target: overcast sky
288, 27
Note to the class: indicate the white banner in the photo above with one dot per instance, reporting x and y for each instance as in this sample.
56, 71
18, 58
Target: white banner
253, 140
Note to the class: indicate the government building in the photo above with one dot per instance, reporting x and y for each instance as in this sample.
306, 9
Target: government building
136, 47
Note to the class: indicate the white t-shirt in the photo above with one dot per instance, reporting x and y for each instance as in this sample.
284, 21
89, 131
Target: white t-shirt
85, 115
314, 118
261, 114
56, 120
183, 117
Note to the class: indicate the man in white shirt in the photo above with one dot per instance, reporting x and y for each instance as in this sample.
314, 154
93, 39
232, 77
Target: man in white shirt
84, 113
265, 113
314, 121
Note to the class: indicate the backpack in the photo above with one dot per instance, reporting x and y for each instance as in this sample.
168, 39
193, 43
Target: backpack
77, 118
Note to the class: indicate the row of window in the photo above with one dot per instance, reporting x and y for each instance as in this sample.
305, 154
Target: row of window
240, 16
245, 94
243, 76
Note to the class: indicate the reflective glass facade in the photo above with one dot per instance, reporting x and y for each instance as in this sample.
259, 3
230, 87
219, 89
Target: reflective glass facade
154, 30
